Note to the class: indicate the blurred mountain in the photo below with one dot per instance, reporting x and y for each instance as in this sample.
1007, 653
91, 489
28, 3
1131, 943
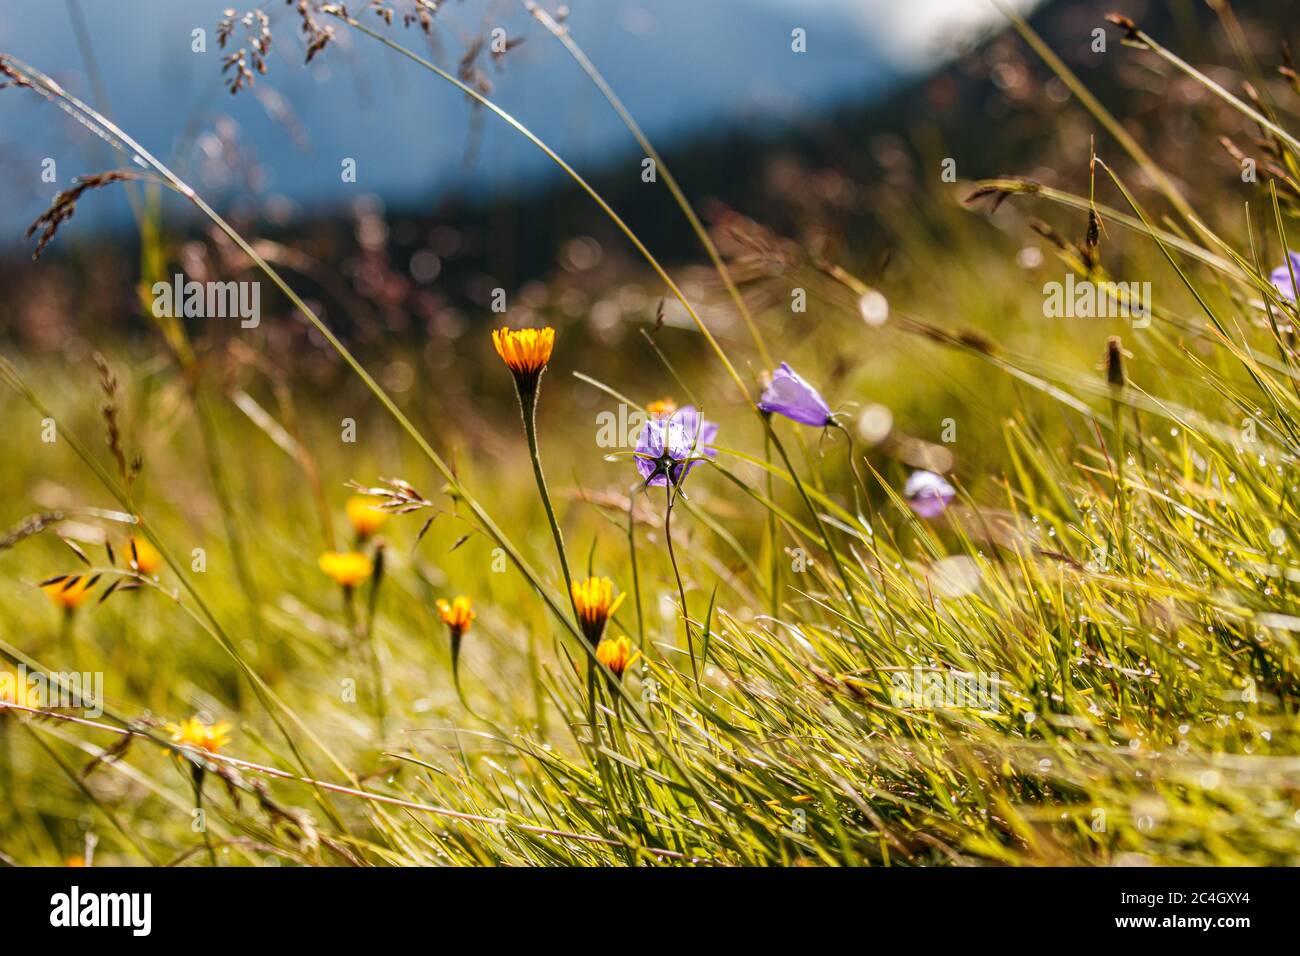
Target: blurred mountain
995, 109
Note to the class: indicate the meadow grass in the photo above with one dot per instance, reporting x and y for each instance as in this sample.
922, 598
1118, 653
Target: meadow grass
1116, 570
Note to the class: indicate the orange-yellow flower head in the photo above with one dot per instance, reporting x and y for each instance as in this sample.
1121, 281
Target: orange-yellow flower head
457, 614
596, 604
366, 519
195, 733
348, 568
69, 592
661, 408
525, 352
615, 653
144, 555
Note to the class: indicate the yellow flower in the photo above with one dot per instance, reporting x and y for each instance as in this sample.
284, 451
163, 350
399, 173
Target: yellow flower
457, 614
596, 604
525, 351
660, 408
145, 555
195, 733
348, 568
365, 517
69, 592
615, 653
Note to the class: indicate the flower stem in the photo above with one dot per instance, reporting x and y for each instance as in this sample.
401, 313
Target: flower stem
372, 642
528, 406
66, 641
1117, 419
772, 544
681, 591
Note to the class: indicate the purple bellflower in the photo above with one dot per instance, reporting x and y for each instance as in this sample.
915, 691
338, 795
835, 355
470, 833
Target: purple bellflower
1281, 276
928, 494
789, 395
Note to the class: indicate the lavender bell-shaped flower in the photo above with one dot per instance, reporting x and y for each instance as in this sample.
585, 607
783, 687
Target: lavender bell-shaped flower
928, 494
1281, 276
789, 395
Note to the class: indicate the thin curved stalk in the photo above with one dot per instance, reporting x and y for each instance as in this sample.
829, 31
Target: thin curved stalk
1103, 115
562, 34
1253, 114
574, 175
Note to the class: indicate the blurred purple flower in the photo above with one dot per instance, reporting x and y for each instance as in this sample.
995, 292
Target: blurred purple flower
928, 494
789, 395
1281, 276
